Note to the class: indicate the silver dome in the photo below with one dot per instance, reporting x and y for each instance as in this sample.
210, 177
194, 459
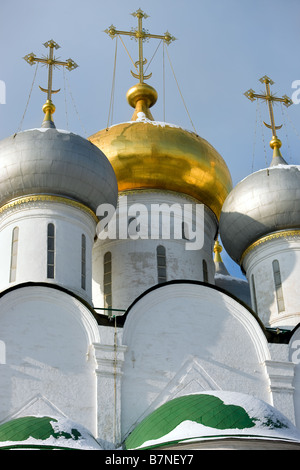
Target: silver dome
50, 161
264, 202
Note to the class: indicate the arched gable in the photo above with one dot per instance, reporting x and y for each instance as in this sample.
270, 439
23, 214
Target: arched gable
48, 336
185, 323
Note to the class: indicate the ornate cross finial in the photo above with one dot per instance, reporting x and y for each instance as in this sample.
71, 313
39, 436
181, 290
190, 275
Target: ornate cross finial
51, 62
140, 34
270, 98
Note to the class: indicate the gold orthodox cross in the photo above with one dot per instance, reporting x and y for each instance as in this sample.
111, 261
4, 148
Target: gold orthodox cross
140, 34
269, 98
51, 62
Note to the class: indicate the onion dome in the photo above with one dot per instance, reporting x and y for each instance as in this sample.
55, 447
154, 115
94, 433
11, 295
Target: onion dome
150, 155
264, 202
55, 162
212, 416
45, 433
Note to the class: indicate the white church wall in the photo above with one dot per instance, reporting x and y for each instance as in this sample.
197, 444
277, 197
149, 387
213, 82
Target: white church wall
48, 337
183, 338
294, 357
134, 260
32, 219
258, 264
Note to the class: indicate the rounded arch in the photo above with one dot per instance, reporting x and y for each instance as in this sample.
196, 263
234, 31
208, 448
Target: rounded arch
195, 289
57, 295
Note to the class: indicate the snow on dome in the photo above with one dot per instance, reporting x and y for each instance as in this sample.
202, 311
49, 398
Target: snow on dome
45, 129
216, 414
36, 432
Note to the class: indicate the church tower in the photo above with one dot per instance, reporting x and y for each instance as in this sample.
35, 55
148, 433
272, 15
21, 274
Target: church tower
260, 229
51, 184
172, 184
186, 365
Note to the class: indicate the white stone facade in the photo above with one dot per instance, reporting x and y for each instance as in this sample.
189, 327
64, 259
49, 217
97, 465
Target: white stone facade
169, 331
31, 216
48, 336
272, 267
179, 338
134, 257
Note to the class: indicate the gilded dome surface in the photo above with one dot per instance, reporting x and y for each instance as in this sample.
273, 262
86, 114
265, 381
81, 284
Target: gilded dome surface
50, 161
264, 202
146, 154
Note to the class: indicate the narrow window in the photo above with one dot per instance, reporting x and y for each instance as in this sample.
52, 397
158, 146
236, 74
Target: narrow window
107, 281
14, 253
253, 294
161, 264
205, 272
83, 262
2, 352
50, 251
132, 226
278, 286
184, 231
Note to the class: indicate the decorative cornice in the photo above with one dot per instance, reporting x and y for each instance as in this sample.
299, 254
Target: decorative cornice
288, 234
109, 359
15, 203
281, 376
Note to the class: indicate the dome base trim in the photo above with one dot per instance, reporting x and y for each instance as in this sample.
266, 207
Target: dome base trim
280, 234
15, 203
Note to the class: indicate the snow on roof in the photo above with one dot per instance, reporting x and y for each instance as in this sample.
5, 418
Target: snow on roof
46, 432
271, 168
216, 414
45, 129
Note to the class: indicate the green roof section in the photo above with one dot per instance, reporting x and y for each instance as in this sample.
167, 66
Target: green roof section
207, 410
39, 428
43, 432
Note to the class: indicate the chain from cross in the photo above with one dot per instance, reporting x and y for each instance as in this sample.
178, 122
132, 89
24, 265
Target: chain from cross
141, 35
270, 99
51, 62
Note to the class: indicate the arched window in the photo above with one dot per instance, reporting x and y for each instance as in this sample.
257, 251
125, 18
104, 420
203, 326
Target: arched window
184, 231
253, 294
107, 280
278, 286
83, 262
14, 254
205, 271
161, 264
50, 251
2, 352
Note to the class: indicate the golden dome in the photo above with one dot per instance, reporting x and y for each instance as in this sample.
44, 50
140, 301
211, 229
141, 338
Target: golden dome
146, 154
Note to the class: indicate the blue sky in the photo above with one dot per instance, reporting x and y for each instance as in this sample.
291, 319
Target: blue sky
222, 49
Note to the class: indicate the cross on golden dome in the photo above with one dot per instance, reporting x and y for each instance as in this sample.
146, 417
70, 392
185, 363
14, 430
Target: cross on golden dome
270, 99
140, 34
51, 62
